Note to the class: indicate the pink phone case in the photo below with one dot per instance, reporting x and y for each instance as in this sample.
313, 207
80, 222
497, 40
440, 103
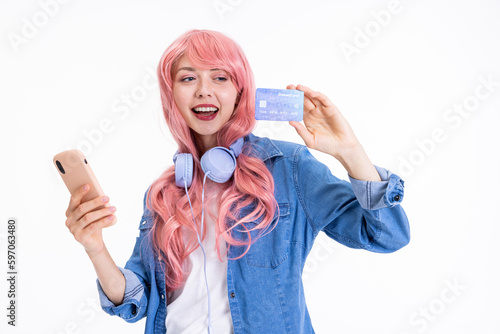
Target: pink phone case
75, 172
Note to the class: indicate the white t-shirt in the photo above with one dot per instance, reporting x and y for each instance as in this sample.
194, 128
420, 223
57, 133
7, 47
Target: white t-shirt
187, 311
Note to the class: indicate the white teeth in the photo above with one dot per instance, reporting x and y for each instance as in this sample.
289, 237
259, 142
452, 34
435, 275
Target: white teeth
205, 109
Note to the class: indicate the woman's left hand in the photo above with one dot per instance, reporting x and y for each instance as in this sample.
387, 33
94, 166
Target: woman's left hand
325, 130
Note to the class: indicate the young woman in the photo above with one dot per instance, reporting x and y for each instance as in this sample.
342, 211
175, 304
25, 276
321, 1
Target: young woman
223, 241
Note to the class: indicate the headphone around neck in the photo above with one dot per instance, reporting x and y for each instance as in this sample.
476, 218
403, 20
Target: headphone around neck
218, 164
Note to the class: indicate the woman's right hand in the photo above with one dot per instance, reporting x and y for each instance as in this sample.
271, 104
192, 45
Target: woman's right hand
86, 226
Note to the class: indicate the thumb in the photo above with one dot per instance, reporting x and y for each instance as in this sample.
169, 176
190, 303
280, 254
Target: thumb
303, 132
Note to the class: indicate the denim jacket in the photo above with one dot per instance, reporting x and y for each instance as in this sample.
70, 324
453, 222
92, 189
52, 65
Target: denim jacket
264, 287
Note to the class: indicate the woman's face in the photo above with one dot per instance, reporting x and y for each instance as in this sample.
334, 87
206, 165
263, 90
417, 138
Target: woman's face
206, 99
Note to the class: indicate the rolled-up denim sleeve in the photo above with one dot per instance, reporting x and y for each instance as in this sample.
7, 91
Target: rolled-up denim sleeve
134, 298
374, 195
360, 214
137, 280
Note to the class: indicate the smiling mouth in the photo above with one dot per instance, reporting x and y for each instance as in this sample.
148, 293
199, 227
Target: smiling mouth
205, 111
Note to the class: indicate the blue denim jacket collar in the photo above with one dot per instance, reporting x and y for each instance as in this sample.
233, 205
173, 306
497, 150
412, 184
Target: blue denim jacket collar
265, 147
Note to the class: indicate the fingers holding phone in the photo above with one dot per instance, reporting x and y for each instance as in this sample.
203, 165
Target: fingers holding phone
86, 220
87, 212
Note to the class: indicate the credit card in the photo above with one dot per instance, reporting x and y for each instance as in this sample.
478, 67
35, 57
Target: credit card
279, 104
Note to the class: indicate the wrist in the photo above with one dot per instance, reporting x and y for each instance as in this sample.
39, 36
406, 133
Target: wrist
352, 157
96, 254
358, 165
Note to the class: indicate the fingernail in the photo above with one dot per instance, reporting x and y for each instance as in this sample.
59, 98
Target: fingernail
111, 209
86, 187
105, 199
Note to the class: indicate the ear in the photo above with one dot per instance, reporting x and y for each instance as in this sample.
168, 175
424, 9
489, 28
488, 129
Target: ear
237, 99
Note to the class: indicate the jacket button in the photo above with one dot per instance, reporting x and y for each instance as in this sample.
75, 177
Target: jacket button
232, 295
162, 296
397, 198
144, 223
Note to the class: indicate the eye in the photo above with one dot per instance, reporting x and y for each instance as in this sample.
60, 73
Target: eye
187, 79
221, 79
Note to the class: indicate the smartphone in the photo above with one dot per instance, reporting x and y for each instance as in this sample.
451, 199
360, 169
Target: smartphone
75, 172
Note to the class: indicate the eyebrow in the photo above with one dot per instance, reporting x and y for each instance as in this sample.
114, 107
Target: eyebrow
194, 70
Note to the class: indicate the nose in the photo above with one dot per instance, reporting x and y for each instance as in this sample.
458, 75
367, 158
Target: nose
204, 88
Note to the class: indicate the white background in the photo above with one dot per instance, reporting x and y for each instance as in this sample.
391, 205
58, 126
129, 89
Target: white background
73, 68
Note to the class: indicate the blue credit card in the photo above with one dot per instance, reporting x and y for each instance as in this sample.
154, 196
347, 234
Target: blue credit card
279, 104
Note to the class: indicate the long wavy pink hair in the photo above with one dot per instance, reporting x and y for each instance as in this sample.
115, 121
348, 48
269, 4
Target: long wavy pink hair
173, 233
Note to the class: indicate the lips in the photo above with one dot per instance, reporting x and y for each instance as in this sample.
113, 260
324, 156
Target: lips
205, 112
205, 109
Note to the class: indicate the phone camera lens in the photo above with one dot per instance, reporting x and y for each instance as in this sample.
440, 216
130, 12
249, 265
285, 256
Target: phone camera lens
85, 161
60, 167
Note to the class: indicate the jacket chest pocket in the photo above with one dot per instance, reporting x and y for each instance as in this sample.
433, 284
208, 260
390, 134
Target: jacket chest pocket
272, 249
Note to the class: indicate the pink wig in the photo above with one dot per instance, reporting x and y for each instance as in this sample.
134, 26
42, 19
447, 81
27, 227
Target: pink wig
174, 236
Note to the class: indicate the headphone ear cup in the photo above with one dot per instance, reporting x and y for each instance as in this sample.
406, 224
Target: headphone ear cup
220, 162
183, 169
